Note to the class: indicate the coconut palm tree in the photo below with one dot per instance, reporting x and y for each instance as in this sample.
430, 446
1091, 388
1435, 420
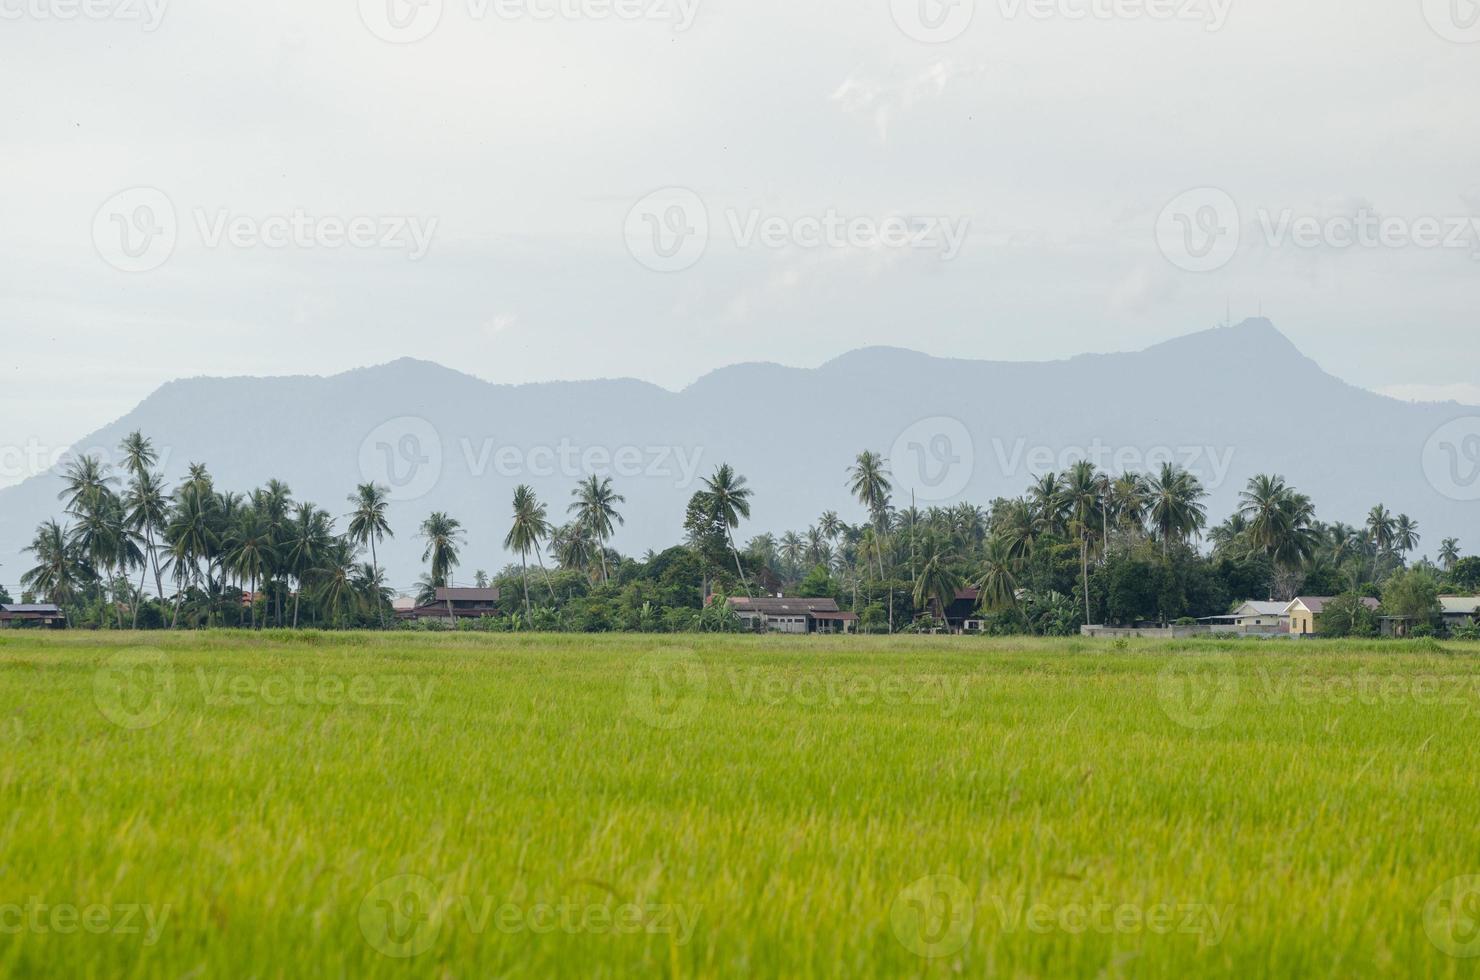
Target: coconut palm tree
1016, 528
146, 509
997, 578
250, 551
368, 525
306, 548
595, 510
191, 536
529, 529
1449, 553
1279, 522
792, 549
1129, 499
1047, 498
572, 545
1405, 534
443, 535
1176, 509
59, 569
1083, 505
937, 579
1380, 529
727, 498
868, 481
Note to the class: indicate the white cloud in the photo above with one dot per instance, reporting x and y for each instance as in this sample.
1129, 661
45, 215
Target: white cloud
885, 99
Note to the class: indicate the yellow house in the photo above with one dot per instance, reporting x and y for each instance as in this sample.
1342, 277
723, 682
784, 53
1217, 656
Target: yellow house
1305, 612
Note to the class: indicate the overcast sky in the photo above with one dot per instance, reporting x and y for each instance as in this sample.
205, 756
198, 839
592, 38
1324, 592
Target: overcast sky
548, 189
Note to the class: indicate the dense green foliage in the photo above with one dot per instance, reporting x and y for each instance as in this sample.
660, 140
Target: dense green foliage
1081, 546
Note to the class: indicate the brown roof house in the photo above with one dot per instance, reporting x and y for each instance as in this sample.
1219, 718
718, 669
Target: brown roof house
961, 615
778, 614
451, 605
42, 614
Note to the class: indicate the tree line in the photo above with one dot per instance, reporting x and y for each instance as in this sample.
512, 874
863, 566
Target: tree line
1077, 547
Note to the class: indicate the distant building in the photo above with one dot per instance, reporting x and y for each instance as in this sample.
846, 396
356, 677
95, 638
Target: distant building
1305, 612
961, 615
451, 605
777, 614
1251, 617
1459, 610
42, 614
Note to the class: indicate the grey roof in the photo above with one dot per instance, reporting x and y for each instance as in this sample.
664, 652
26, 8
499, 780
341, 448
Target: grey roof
1455, 605
29, 607
467, 595
1262, 608
773, 606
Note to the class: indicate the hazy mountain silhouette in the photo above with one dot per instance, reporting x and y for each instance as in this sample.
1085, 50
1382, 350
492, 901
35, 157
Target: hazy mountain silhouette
1242, 396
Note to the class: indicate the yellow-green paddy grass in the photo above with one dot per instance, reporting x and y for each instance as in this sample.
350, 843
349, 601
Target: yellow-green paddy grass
295, 804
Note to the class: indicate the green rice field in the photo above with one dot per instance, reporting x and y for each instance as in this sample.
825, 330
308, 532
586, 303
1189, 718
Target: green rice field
302, 804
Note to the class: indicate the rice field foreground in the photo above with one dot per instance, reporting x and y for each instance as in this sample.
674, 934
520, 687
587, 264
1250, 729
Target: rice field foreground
289, 805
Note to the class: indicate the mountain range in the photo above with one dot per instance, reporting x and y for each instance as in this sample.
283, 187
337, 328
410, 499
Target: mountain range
1227, 403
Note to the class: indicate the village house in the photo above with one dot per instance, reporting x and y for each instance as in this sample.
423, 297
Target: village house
778, 614
1305, 612
1459, 610
961, 616
1253, 618
451, 605
42, 614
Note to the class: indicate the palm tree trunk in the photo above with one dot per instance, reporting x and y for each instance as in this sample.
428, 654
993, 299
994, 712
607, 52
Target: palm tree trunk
139, 599
524, 574
736, 552
1084, 562
601, 544
541, 560
375, 568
